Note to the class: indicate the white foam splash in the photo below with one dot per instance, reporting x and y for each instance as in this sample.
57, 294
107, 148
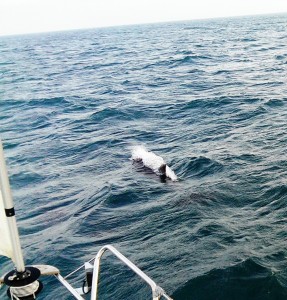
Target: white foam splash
151, 161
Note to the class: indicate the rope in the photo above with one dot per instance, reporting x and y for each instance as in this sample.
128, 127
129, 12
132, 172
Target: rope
83, 287
24, 291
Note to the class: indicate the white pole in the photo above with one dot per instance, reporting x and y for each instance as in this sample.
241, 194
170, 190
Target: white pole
10, 214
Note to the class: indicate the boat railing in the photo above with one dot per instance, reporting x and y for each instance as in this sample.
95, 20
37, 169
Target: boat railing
157, 291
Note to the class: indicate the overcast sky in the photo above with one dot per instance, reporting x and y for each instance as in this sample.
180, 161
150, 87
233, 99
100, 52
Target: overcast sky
27, 16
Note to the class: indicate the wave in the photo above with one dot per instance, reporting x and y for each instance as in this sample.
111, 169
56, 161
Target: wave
111, 112
198, 167
276, 193
275, 102
55, 101
214, 102
245, 281
177, 62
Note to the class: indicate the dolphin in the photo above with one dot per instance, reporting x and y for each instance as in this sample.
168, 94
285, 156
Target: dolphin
154, 162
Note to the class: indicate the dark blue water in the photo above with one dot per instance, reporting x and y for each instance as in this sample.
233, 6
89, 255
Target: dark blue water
210, 97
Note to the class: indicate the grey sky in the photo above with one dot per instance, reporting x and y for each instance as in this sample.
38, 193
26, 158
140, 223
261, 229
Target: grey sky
26, 16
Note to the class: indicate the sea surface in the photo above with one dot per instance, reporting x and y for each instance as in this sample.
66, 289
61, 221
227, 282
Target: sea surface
208, 96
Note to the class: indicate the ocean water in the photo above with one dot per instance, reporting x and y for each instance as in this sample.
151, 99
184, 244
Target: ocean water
210, 97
